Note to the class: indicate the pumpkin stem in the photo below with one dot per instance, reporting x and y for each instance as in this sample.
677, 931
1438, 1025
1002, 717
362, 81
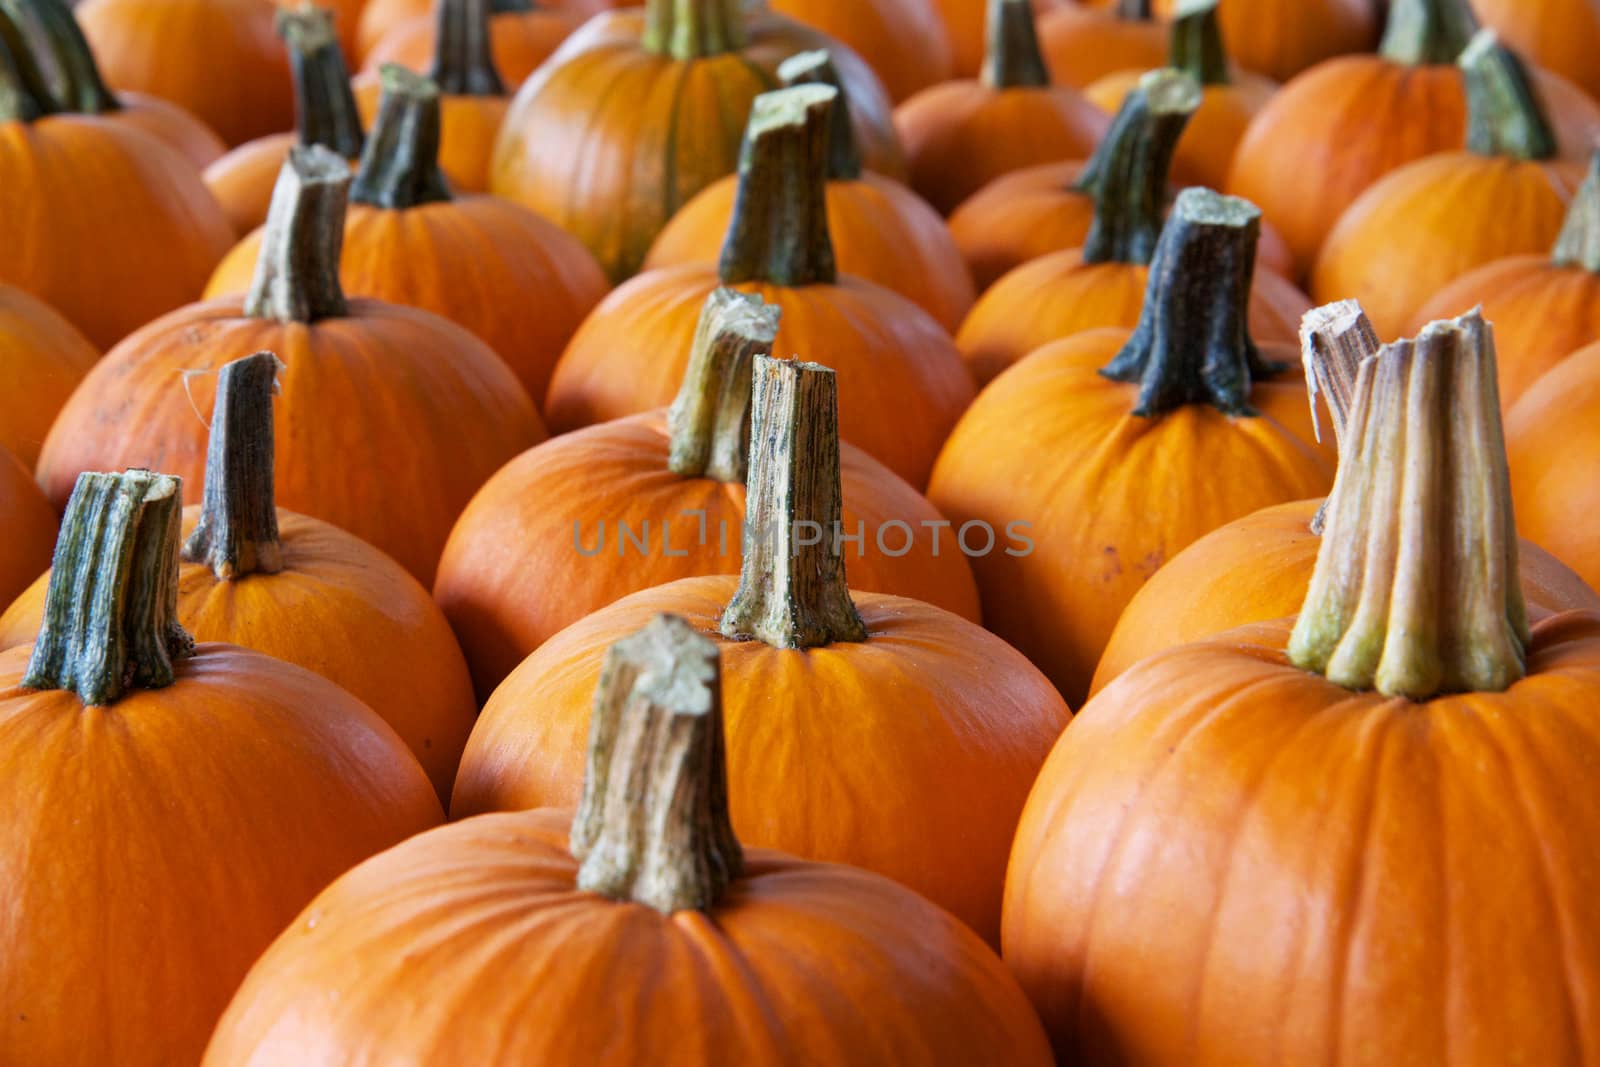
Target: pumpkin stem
324, 107
1504, 115
1127, 175
652, 825
400, 167
1334, 340
1193, 344
111, 608
237, 533
779, 233
710, 418
1579, 243
693, 29
1135, 10
24, 94
512, 7
792, 591
1196, 45
1415, 591
816, 68
297, 272
77, 85
1012, 59
1427, 32
463, 64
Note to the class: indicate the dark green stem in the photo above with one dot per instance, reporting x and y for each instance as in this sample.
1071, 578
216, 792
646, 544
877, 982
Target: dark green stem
1427, 32
1135, 10
816, 68
511, 7
297, 271
324, 106
111, 609
24, 95
400, 167
1012, 59
693, 29
1504, 115
463, 63
77, 85
1579, 243
710, 418
1197, 47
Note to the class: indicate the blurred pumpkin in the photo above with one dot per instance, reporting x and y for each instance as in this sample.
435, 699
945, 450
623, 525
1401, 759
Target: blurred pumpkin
379, 17
31, 527
1082, 43
1559, 35
904, 41
42, 359
522, 35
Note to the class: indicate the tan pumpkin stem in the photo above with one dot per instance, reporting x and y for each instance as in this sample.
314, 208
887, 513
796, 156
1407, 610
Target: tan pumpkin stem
779, 232
324, 106
1427, 32
1416, 591
297, 272
710, 419
1334, 340
1127, 175
74, 78
1504, 115
1196, 45
400, 167
463, 62
237, 533
1012, 58
652, 826
111, 608
816, 68
24, 94
792, 590
1579, 243
693, 29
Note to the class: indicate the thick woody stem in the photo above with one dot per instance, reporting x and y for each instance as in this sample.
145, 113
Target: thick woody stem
1504, 114
1427, 32
1416, 590
710, 419
1012, 59
1197, 48
76, 84
463, 62
400, 167
816, 68
297, 272
24, 93
1579, 243
324, 105
652, 826
111, 609
1135, 10
693, 29
1334, 340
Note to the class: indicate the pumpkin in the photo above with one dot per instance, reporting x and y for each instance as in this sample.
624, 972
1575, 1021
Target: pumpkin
910, 728
31, 525
169, 807
590, 937
381, 17
1428, 223
1112, 450
904, 41
521, 36
390, 419
324, 113
42, 359
961, 135
651, 101
346, 16
964, 22
517, 281
591, 516
881, 230
904, 382
1558, 35
1084, 44
218, 59
1300, 804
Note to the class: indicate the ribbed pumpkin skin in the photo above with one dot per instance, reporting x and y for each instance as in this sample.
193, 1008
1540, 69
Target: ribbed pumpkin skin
218, 59
1559, 35
379, 17
469, 126
42, 359
518, 282
1281, 38
518, 40
1428, 223
904, 41
609, 140
1082, 45
30, 530
119, 228
1311, 854
882, 232
1110, 496
513, 573
929, 732
901, 383
1553, 442
472, 945
171, 125
242, 180
387, 422
1257, 569
152, 849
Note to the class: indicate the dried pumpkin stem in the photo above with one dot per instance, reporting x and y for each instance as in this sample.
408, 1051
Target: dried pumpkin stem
1135, 10
1579, 242
1196, 46
693, 29
1127, 175
1193, 345
652, 826
779, 233
710, 419
297, 272
324, 106
237, 533
24, 94
1504, 115
1334, 340
1415, 592
792, 590
74, 79
400, 167
1012, 58
111, 609
463, 63
511, 7
1427, 32
816, 68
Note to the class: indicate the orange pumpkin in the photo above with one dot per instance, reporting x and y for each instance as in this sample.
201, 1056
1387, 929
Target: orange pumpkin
904, 41
217, 789
904, 383
521, 37
652, 101
1083, 44
964, 22
380, 17
1093, 447
593, 515
882, 231
1559, 35
391, 417
31, 526
517, 281
42, 359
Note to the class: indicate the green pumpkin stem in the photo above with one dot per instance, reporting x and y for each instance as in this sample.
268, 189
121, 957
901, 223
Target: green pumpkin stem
1416, 590
1427, 32
74, 79
1196, 46
111, 608
400, 167
710, 418
324, 106
816, 68
512, 7
297, 271
1504, 114
652, 825
693, 29
24, 93
463, 62
1334, 340
1579, 242
1193, 344
1135, 10
1012, 58
779, 232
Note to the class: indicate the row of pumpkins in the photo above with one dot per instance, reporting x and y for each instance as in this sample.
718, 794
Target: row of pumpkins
738, 775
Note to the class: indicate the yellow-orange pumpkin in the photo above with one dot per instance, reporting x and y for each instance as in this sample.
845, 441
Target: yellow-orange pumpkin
31, 525
42, 359
521, 37
1084, 43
